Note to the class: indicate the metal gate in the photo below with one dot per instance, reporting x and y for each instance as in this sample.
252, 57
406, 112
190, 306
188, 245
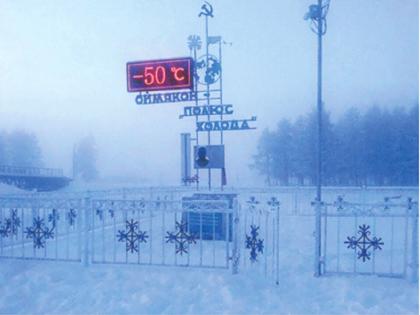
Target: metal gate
367, 238
259, 233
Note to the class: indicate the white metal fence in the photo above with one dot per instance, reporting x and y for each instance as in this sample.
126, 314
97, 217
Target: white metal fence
295, 200
367, 238
161, 233
42, 229
203, 230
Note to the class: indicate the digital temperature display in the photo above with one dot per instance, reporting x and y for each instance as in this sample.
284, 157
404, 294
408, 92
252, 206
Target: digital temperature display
155, 75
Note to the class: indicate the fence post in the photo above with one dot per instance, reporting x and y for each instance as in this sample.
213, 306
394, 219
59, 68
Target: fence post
317, 261
151, 194
415, 245
278, 245
87, 209
235, 250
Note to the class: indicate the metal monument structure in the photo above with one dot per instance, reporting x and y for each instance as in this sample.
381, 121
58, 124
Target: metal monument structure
208, 86
317, 15
198, 79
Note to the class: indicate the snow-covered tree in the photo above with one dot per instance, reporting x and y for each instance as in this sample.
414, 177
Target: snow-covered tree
4, 159
23, 149
379, 147
84, 159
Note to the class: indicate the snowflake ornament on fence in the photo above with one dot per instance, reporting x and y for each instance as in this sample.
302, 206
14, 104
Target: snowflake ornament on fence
53, 217
364, 243
71, 217
141, 205
11, 225
132, 206
111, 210
254, 244
339, 203
158, 202
4, 231
132, 236
273, 203
39, 232
100, 214
252, 203
14, 222
182, 238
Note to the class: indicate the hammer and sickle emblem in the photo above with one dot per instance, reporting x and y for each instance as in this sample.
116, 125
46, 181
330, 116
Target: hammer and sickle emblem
206, 10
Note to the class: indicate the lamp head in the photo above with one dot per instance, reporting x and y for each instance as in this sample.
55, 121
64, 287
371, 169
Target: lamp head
314, 12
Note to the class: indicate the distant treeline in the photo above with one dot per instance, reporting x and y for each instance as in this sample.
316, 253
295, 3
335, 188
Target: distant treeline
377, 147
20, 148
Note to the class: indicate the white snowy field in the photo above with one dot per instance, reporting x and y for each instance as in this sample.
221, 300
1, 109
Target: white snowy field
38, 287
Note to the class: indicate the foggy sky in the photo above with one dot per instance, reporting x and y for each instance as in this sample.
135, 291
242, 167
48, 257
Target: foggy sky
62, 72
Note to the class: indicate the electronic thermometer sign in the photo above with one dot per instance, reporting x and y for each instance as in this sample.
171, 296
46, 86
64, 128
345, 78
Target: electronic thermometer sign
156, 75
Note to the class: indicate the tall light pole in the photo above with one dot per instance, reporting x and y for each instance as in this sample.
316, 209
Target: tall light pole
317, 15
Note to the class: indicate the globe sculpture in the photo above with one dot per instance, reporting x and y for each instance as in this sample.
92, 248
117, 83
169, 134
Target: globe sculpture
208, 74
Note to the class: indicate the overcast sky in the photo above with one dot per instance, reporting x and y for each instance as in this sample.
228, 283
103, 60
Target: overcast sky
62, 71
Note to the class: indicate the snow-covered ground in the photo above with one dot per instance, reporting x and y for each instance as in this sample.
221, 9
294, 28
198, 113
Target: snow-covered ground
10, 189
35, 287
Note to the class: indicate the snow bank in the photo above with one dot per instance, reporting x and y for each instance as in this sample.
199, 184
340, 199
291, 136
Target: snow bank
10, 189
35, 288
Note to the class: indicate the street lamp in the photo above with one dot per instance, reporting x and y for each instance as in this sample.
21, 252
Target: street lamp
317, 15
